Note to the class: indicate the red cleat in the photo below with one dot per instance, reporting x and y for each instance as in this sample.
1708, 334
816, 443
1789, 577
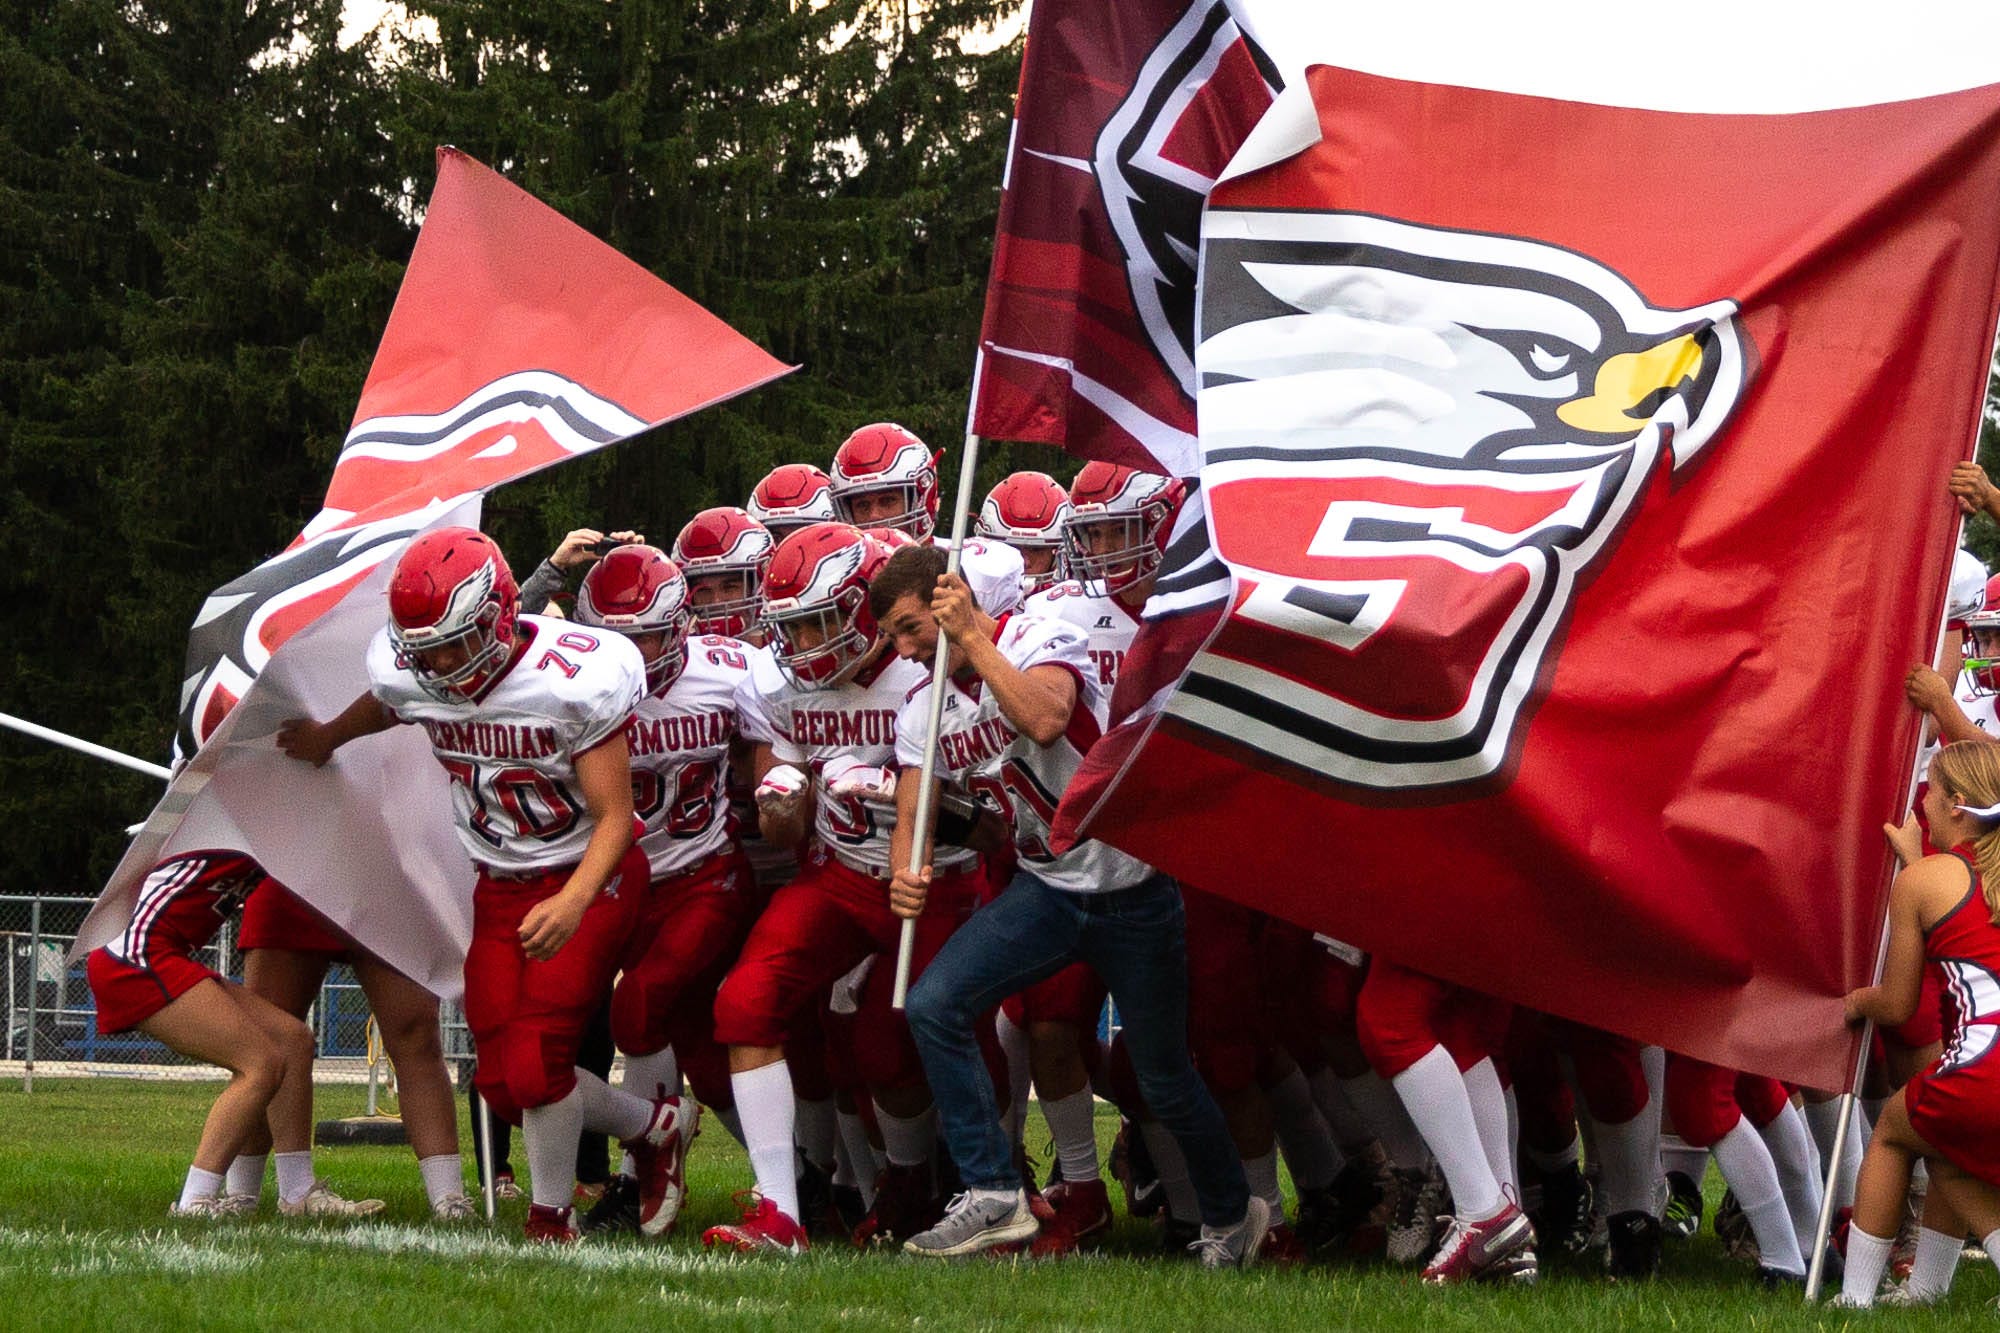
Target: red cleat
1081, 1212
550, 1226
762, 1230
659, 1161
1502, 1246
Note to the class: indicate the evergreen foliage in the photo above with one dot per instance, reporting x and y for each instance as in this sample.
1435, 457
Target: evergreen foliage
204, 216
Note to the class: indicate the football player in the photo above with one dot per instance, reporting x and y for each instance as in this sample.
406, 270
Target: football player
701, 897
884, 479
1021, 713
148, 979
527, 716
826, 692
1028, 511
794, 496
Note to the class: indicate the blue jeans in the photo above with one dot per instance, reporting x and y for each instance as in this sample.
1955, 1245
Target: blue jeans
1136, 939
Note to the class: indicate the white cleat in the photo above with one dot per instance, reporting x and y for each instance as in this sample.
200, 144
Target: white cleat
209, 1209
454, 1208
237, 1205
319, 1201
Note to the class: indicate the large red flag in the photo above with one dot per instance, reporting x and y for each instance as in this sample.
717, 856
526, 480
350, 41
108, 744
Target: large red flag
518, 340
1580, 472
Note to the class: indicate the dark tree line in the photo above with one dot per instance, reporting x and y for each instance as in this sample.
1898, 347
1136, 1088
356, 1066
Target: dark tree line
204, 215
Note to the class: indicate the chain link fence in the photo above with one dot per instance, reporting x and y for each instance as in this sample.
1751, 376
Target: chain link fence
50, 1019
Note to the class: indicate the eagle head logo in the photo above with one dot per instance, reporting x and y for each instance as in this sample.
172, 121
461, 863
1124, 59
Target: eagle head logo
1414, 443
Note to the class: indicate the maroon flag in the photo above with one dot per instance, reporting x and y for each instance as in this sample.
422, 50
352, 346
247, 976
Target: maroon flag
1580, 475
1126, 115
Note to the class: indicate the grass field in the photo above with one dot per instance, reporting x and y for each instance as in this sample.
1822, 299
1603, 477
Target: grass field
88, 1167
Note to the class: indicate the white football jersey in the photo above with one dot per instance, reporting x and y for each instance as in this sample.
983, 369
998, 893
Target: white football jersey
512, 755
771, 864
1109, 624
828, 732
1978, 706
680, 756
980, 749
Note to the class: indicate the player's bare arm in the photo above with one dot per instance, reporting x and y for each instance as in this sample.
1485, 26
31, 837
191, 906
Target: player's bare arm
907, 892
1038, 701
1922, 895
604, 775
784, 805
315, 742
1931, 692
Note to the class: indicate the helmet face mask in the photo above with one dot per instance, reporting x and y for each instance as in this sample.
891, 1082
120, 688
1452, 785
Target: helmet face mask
817, 645
724, 553
1119, 521
1982, 661
638, 592
453, 609
883, 477
815, 608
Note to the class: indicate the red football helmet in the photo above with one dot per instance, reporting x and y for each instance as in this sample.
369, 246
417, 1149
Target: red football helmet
884, 459
641, 594
816, 601
724, 553
1119, 523
791, 497
1982, 642
452, 589
1027, 511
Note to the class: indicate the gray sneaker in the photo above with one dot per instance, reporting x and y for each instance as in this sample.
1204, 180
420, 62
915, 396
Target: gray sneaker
1237, 1246
1413, 1223
971, 1224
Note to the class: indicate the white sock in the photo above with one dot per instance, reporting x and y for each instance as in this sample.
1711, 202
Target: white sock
1349, 1130
816, 1130
609, 1110
1303, 1135
1382, 1111
908, 1141
295, 1175
444, 1176
732, 1122
550, 1132
246, 1175
1747, 1167
1489, 1102
1630, 1152
1676, 1154
1798, 1171
1937, 1260
1867, 1260
860, 1154
1072, 1125
1165, 1150
764, 1101
1014, 1046
1434, 1095
1991, 1244
1262, 1173
655, 1075
200, 1184
1653, 1064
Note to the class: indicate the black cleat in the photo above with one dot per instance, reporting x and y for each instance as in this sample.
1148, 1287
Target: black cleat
616, 1213
1563, 1222
1684, 1206
1633, 1253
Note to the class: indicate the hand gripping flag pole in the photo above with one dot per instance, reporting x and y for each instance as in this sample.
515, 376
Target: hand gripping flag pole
968, 469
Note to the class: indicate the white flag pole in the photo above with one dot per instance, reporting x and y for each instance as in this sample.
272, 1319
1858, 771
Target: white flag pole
968, 470
105, 753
